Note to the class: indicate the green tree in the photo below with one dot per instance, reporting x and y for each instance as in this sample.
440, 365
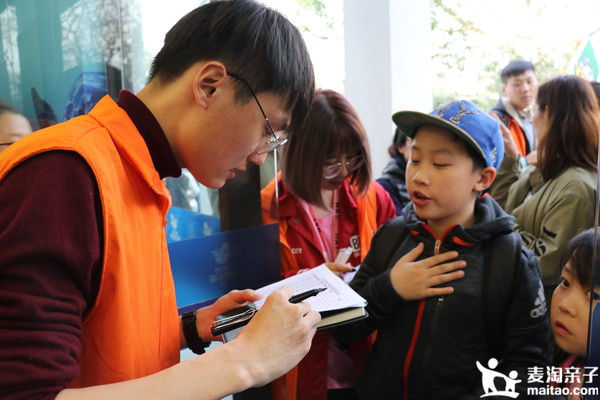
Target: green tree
461, 48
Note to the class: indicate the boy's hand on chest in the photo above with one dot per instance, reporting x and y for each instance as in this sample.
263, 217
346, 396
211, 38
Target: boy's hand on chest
416, 279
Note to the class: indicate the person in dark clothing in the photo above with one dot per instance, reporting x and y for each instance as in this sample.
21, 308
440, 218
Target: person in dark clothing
393, 177
427, 297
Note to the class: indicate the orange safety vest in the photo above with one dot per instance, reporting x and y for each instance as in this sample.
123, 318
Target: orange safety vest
516, 132
133, 328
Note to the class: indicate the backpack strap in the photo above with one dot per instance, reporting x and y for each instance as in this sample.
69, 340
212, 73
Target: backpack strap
502, 258
395, 233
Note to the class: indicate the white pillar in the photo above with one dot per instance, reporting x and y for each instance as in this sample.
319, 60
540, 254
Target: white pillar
387, 57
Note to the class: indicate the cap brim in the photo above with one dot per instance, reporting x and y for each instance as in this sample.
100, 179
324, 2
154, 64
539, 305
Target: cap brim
409, 121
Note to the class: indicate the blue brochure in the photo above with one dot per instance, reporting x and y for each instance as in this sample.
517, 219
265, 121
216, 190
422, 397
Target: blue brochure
184, 224
206, 268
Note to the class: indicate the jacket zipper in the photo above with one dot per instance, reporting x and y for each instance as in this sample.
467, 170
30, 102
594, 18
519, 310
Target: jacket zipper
434, 323
436, 312
417, 327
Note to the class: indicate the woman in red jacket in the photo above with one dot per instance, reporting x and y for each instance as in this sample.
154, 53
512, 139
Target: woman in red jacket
327, 203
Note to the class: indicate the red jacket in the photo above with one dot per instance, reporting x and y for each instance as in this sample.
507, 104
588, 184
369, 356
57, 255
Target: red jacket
359, 219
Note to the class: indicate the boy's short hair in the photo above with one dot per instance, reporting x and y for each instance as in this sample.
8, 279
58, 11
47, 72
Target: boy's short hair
516, 67
252, 41
463, 118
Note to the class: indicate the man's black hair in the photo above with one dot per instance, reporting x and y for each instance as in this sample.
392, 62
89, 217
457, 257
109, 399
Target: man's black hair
516, 67
252, 41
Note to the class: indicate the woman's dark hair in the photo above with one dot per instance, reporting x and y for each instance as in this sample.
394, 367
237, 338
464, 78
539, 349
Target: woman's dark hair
572, 128
332, 127
398, 140
596, 87
252, 41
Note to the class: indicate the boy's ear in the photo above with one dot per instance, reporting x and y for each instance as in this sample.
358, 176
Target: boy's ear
207, 80
486, 178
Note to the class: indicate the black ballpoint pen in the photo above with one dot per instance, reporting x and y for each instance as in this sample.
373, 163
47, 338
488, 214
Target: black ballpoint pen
237, 321
297, 298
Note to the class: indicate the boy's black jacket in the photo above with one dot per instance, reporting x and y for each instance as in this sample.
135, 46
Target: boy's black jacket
450, 334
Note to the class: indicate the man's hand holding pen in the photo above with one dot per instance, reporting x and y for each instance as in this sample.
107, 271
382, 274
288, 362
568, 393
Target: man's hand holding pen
281, 325
243, 318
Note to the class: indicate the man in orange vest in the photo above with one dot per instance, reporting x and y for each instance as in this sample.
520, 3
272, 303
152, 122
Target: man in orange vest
88, 303
514, 108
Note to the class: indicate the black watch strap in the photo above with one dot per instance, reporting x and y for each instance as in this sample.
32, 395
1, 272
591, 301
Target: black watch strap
190, 332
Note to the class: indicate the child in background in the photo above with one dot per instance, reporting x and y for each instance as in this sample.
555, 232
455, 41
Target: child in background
570, 308
393, 176
327, 202
13, 125
430, 334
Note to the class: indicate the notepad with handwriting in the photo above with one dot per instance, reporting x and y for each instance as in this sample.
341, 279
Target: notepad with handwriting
338, 304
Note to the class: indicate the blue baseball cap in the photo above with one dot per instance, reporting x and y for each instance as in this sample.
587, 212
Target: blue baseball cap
462, 117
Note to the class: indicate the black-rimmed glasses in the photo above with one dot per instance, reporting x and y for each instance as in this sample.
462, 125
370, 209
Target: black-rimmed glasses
276, 141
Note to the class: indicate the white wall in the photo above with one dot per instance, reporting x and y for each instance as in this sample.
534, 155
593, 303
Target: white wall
387, 59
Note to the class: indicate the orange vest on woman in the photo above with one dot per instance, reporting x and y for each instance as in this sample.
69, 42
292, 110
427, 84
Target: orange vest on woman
133, 328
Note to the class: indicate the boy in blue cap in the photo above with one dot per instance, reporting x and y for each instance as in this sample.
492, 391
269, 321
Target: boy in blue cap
448, 283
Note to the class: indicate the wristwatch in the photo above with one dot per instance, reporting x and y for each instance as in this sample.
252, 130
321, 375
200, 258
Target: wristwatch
190, 332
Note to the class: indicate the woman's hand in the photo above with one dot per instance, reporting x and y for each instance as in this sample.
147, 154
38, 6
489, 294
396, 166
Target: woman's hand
339, 269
